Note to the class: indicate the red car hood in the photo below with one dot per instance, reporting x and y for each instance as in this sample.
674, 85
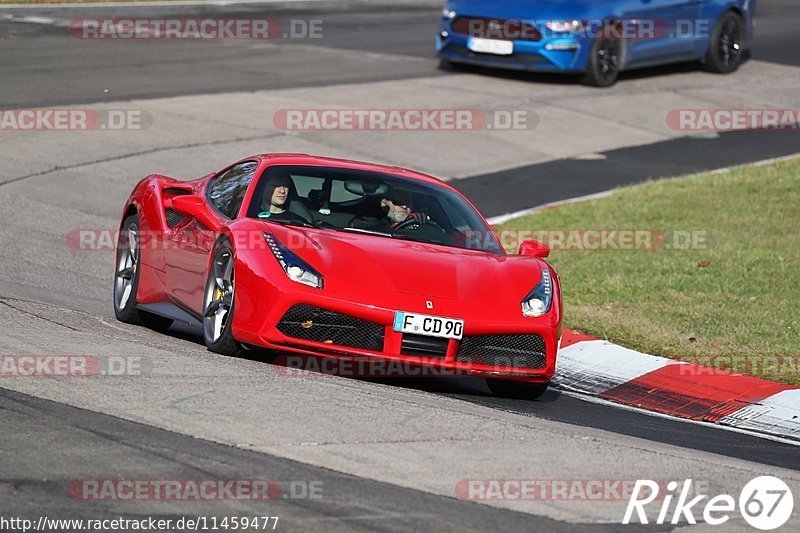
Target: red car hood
357, 263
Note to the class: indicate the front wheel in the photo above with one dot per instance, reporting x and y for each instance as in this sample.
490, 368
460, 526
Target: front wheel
448, 66
218, 304
519, 390
605, 63
726, 46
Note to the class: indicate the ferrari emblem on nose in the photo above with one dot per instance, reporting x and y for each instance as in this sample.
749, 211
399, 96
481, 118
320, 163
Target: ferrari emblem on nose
307, 324
429, 304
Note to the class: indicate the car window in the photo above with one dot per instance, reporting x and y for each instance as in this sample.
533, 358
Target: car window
340, 195
226, 191
361, 201
306, 184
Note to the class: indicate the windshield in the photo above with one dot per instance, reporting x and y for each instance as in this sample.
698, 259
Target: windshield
370, 203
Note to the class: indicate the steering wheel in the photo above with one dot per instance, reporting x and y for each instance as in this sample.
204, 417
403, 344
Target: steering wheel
412, 221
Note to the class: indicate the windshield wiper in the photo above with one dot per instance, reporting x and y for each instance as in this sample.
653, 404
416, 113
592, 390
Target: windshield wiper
291, 223
367, 231
399, 236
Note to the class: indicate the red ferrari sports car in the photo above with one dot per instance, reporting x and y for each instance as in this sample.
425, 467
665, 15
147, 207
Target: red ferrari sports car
343, 259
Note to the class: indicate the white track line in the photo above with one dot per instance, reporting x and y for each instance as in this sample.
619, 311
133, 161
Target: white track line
502, 219
28, 19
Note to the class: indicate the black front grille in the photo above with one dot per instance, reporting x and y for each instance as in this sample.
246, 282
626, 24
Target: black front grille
423, 345
173, 217
502, 29
314, 324
524, 351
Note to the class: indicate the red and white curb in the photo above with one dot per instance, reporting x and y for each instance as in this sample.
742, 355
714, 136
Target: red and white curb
599, 368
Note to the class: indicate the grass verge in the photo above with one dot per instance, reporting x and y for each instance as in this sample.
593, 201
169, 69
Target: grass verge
722, 288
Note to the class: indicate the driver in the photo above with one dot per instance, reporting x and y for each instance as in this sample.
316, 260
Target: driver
394, 210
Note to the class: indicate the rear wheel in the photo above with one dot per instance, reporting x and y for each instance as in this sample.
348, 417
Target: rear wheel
218, 304
726, 46
126, 279
605, 63
519, 390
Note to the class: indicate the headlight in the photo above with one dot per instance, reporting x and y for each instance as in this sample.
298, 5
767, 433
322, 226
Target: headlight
448, 13
564, 26
297, 269
538, 301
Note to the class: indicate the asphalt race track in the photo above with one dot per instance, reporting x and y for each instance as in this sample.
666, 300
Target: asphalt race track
388, 454
35, 52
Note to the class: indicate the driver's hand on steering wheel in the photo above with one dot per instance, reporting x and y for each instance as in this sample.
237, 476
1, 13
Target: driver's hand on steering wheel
417, 221
419, 218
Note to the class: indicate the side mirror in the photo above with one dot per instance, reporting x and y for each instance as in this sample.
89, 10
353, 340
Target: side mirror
196, 207
534, 248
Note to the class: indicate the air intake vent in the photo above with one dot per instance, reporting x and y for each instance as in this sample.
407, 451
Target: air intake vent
315, 324
423, 345
522, 351
173, 217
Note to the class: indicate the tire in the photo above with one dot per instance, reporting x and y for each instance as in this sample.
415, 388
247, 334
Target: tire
519, 390
448, 66
605, 63
726, 48
218, 302
126, 279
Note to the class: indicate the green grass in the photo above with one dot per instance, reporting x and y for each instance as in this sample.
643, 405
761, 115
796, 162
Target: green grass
739, 295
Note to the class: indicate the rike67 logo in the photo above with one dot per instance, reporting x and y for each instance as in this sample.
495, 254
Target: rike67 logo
766, 503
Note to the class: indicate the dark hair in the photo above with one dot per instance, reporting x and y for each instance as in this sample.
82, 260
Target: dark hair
399, 197
280, 180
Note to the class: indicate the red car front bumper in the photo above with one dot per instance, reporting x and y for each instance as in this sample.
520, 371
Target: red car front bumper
390, 358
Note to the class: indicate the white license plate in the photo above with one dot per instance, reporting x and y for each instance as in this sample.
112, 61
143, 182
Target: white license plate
490, 46
433, 326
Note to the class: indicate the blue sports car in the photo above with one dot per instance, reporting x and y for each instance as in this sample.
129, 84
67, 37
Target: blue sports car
596, 38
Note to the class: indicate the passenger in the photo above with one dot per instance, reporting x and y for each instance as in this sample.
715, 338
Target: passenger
276, 203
